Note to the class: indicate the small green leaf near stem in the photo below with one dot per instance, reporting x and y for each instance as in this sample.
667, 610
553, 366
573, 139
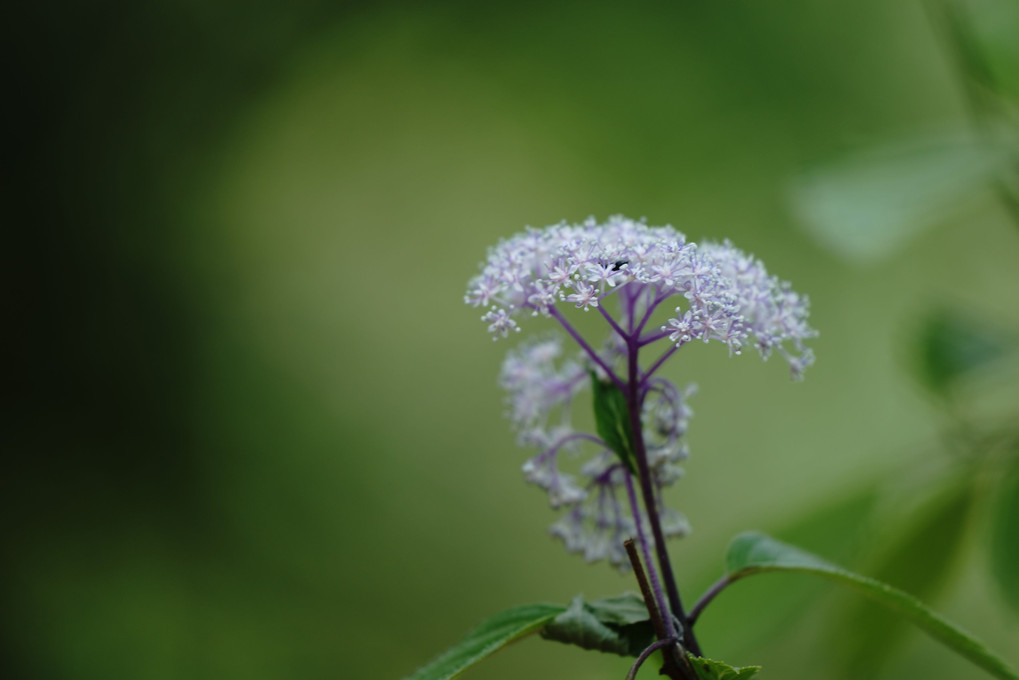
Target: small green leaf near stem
617, 625
708, 669
612, 421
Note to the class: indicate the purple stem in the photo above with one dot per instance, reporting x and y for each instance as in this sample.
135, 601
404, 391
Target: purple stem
650, 310
656, 586
586, 347
647, 491
653, 337
569, 384
652, 648
611, 291
568, 438
612, 322
655, 366
603, 478
707, 597
631, 303
633, 291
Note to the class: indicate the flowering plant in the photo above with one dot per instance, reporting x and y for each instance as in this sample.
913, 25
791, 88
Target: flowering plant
666, 292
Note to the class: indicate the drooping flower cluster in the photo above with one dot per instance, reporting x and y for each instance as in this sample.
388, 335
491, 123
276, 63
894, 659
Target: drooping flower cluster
541, 386
718, 293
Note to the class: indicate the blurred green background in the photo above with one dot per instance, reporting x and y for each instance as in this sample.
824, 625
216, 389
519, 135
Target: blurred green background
255, 432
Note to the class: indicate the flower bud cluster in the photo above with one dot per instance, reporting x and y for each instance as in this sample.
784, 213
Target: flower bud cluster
541, 385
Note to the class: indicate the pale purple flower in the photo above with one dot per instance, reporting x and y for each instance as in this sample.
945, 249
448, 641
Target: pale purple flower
585, 296
726, 294
719, 294
542, 384
500, 322
681, 329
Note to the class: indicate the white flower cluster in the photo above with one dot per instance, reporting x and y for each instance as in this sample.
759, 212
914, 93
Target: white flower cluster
538, 389
541, 385
597, 524
722, 293
666, 417
769, 310
729, 295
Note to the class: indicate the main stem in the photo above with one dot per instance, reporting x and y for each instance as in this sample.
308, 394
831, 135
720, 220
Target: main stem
633, 399
662, 606
675, 665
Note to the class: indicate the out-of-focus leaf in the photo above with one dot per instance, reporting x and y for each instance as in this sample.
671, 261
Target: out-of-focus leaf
865, 206
708, 669
836, 529
755, 553
619, 625
612, 421
1005, 538
950, 345
994, 25
486, 638
920, 560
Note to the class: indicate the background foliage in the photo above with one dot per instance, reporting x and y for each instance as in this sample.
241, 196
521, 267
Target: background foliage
255, 433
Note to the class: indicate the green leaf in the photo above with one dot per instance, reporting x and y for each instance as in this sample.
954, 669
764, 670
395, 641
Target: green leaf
754, 553
706, 669
1005, 538
919, 557
951, 345
618, 625
486, 638
834, 526
993, 26
865, 206
612, 421
621, 610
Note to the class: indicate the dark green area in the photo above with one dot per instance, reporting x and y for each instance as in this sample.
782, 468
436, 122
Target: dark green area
951, 345
1005, 537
